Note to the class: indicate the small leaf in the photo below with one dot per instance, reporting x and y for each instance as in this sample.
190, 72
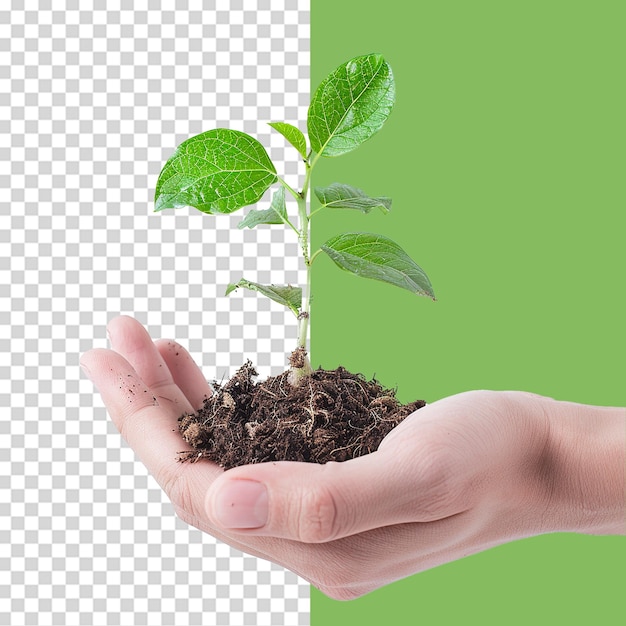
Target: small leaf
276, 214
288, 296
218, 171
350, 105
340, 196
292, 134
380, 258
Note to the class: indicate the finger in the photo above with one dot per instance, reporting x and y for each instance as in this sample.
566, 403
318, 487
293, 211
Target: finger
186, 374
352, 566
130, 339
319, 503
146, 423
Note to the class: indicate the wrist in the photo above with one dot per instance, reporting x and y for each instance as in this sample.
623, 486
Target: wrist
584, 469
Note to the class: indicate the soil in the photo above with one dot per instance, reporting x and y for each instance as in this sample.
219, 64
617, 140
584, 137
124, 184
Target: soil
330, 415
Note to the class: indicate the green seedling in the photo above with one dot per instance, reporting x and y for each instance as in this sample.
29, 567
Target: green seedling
224, 170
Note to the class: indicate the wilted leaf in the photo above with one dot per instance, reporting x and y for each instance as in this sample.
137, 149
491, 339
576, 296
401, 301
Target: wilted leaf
340, 196
292, 134
288, 296
274, 215
380, 258
218, 171
350, 105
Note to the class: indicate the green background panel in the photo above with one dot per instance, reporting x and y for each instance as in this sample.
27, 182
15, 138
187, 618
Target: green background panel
504, 158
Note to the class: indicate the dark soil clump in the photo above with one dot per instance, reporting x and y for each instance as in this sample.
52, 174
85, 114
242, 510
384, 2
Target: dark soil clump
331, 415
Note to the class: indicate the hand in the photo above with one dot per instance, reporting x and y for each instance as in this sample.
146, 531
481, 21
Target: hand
459, 476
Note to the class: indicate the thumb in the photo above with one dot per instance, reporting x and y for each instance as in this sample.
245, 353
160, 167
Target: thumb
315, 503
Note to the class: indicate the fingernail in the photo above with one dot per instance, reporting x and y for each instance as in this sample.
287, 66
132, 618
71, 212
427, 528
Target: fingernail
241, 504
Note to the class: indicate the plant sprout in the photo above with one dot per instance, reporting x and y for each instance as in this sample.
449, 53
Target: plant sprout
223, 170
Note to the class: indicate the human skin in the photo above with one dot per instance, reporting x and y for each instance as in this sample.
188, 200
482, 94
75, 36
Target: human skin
459, 476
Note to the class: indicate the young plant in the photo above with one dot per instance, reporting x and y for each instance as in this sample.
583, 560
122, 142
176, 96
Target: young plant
223, 170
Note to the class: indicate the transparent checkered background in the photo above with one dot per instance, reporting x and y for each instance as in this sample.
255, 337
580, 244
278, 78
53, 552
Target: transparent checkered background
94, 97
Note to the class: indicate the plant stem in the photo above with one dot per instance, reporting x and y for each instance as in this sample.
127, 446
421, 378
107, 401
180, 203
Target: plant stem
305, 311
298, 373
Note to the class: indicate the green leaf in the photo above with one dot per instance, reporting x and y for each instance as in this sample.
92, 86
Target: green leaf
276, 214
288, 296
292, 134
380, 258
350, 105
218, 171
340, 196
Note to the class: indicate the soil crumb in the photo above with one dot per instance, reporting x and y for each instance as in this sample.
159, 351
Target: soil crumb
331, 415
